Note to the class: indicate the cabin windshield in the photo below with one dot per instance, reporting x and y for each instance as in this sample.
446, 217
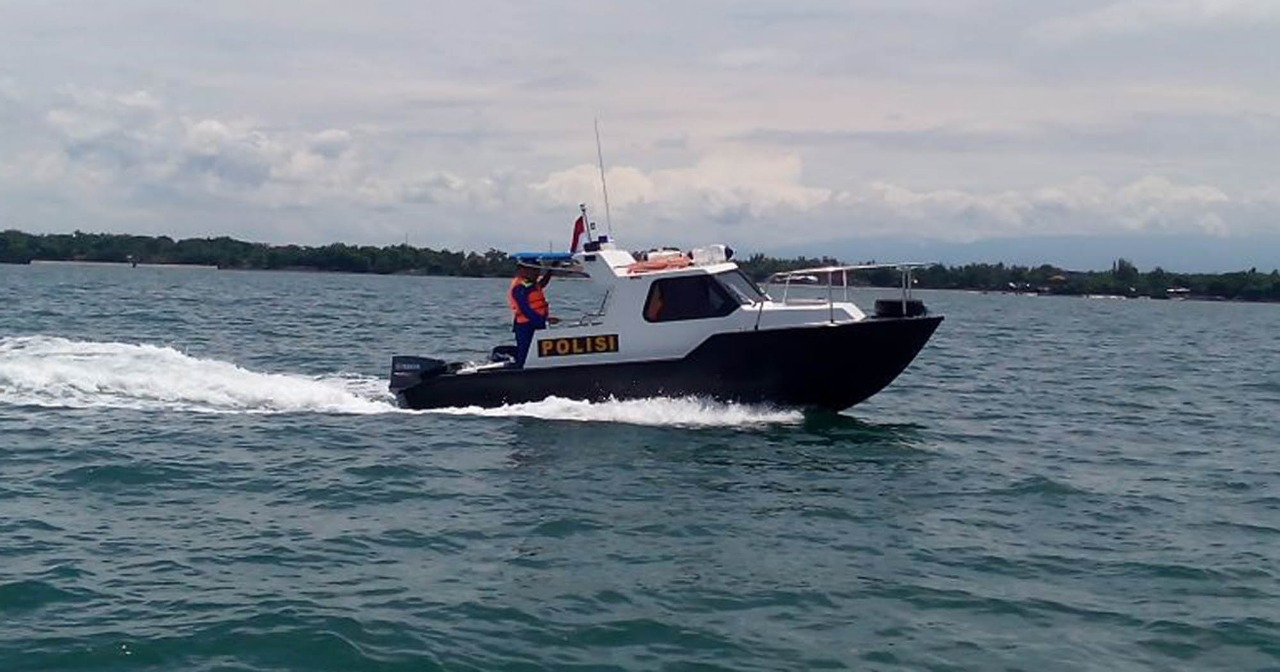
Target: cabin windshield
740, 287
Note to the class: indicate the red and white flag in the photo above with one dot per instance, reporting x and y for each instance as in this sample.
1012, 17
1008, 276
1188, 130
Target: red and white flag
579, 228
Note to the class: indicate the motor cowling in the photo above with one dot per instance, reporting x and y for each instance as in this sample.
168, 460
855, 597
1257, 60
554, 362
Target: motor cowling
407, 371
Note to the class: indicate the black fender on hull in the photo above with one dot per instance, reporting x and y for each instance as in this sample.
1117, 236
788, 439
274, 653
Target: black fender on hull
826, 366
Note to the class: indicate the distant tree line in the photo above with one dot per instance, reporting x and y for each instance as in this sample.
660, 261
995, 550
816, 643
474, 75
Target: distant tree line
1123, 279
17, 247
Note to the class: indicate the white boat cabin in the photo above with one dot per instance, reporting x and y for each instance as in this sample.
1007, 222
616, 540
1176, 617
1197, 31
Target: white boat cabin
665, 305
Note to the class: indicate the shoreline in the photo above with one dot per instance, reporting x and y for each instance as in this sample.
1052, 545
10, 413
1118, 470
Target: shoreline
424, 274
1124, 279
108, 264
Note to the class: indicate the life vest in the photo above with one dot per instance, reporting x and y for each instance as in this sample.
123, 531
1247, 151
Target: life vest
537, 300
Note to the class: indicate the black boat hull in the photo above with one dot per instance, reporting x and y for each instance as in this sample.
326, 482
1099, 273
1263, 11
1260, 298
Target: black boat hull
828, 366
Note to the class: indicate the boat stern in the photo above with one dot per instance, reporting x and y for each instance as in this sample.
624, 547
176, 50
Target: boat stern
409, 371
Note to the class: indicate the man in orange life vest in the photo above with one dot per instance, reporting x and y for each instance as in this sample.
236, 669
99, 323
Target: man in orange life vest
529, 309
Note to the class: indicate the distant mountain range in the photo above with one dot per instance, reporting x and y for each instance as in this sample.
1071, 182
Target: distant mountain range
1180, 253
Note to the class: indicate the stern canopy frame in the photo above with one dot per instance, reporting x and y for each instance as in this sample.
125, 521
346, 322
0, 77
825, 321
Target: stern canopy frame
906, 269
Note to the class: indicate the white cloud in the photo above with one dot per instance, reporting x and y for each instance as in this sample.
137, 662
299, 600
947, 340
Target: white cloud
754, 58
717, 184
705, 197
1142, 16
1082, 206
1152, 189
915, 118
135, 151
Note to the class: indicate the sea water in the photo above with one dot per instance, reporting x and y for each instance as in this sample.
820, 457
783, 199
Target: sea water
202, 470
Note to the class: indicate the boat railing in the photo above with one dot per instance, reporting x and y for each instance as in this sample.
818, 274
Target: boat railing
832, 273
591, 317
584, 320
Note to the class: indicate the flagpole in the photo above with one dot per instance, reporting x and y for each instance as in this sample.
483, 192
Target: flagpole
603, 185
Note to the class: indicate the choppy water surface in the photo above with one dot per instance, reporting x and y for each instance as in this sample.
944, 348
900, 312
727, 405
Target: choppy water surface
201, 471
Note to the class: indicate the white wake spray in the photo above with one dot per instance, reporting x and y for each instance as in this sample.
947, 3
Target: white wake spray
54, 372
61, 373
678, 412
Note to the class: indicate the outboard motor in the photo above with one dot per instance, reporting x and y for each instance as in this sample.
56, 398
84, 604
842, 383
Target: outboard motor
407, 371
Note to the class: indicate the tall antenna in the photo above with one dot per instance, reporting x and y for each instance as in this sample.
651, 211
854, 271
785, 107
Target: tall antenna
603, 185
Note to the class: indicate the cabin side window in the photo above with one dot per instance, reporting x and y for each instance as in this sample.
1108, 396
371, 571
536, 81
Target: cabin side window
692, 297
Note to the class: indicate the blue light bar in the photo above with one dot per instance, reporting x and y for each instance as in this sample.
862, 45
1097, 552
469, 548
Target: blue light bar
542, 256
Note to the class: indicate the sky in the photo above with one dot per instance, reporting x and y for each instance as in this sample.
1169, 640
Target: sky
770, 125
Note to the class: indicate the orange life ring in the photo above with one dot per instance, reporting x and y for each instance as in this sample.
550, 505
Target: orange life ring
658, 264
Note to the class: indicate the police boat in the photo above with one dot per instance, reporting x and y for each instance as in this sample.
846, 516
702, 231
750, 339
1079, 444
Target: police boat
675, 324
